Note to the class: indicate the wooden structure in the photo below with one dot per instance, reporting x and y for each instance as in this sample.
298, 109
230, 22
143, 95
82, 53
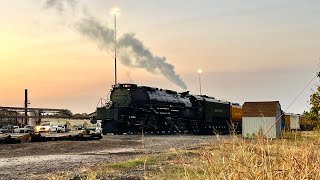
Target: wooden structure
261, 118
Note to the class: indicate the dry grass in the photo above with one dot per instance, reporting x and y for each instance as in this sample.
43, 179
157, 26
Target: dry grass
259, 158
295, 156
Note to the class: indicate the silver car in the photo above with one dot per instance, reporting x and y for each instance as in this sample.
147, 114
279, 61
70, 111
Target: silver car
25, 129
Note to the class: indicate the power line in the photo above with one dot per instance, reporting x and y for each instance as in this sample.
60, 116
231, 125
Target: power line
279, 118
302, 91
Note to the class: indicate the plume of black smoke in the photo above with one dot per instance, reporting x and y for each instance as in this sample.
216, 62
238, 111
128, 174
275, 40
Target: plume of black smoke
132, 51
91, 28
137, 55
60, 5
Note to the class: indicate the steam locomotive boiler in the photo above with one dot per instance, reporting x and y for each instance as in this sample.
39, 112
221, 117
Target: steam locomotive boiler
134, 109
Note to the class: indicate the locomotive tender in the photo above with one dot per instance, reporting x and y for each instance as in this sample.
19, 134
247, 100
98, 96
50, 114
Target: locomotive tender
135, 109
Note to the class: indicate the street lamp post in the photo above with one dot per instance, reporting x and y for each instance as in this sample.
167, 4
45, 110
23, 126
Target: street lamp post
200, 72
115, 12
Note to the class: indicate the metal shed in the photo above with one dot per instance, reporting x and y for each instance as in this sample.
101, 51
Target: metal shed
261, 117
292, 121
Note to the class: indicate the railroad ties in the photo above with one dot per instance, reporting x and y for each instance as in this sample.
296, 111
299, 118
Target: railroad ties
14, 138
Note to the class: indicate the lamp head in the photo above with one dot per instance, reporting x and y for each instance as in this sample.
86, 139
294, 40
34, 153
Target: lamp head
115, 11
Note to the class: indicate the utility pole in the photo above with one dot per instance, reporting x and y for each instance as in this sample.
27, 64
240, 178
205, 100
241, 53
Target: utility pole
200, 72
115, 12
26, 103
115, 49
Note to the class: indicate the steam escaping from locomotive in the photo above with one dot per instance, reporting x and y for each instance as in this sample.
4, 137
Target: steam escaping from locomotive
133, 53
60, 5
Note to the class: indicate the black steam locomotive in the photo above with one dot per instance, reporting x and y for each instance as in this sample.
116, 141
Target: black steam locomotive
136, 109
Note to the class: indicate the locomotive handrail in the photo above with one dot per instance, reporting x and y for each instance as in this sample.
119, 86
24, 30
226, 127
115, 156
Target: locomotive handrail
154, 110
102, 102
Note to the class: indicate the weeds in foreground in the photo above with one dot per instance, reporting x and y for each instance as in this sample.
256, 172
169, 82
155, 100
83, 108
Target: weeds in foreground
259, 158
296, 156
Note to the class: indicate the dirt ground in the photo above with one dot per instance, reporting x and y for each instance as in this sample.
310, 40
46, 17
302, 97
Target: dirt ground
37, 160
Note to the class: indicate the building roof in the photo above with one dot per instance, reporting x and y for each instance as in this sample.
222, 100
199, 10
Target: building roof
291, 114
261, 109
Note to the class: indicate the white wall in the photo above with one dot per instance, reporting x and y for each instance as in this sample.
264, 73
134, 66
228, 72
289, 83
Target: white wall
252, 125
294, 122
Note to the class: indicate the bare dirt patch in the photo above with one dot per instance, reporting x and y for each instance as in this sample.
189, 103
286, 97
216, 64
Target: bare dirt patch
38, 160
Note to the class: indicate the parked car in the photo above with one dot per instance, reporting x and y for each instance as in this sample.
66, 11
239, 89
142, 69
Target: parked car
96, 128
25, 129
16, 130
53, 128
1, 125
61, 128
7, 129
46, 127
79, 127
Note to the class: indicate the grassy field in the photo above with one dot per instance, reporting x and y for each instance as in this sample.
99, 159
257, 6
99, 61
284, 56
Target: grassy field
295, 156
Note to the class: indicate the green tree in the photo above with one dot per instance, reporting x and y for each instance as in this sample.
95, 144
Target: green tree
313, 116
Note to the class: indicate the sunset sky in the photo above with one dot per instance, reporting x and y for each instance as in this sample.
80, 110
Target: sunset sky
248, 50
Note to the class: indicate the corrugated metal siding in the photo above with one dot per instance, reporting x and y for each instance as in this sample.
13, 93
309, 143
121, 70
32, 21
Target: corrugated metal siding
294, 122
252, 125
